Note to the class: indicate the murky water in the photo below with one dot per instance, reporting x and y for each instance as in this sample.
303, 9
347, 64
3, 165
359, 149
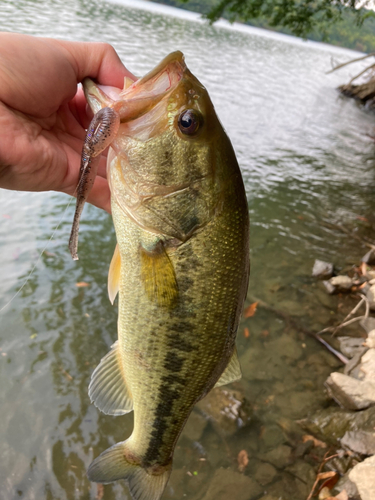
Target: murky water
307, 160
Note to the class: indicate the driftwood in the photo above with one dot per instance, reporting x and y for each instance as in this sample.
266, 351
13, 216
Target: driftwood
364, 92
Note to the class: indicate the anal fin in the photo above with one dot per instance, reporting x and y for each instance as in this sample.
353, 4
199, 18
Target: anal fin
232, 372
158, 276
114, 275
108, 390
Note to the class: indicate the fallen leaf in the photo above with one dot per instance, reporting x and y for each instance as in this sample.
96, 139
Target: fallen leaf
251, 310
81, 284
317, 443
359, 217
325, 475
49, 254
265, 333
6, 216
330, 481
243, 460
246, 333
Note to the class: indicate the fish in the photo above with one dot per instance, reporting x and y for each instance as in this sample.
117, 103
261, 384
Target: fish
180, 268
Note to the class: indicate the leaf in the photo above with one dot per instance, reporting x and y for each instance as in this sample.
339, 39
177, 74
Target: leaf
330, 481
81, 284
243, 460
246, 333
326, 475
251, 310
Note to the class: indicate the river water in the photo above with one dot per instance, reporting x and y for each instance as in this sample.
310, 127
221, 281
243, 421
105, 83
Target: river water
308, 164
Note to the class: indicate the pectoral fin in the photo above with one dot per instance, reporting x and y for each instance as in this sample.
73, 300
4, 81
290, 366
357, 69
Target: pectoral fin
232, 372
114, 275
108, 390
158, 276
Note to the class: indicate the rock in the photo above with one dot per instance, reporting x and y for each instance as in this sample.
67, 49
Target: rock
229, 484
227, 409
367, 366
368, 324
272, 436
370, 294
349, 392
369, 258
195, 426
349, 346
363, 476
322, 270
341, 283
359, 441
344, 484
331, 424
329, 287
352, 367
265, 474
370, 341
279, 457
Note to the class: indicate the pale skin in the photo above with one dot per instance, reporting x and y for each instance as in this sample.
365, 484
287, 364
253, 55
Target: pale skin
43, 115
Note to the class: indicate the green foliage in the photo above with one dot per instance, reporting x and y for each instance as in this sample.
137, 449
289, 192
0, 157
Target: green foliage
337, 22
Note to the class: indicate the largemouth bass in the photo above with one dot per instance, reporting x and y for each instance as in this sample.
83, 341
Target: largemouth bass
180, 268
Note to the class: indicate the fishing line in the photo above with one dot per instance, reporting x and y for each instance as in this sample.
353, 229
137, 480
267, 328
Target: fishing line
40, 256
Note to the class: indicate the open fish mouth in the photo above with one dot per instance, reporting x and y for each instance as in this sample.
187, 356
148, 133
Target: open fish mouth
141, 96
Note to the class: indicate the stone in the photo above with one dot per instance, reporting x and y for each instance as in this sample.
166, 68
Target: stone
322, 270
367, 366
227, 409
349, 392
349, 346
370, 295
227, 483
370, 341
363, 476
352, 367
341, 283
359, 441
331, 424
265, 474
329, 287
369, 257
344, 484
368, 324
279, 457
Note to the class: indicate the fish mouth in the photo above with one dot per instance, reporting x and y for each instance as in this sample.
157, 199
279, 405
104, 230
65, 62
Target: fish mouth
142, 95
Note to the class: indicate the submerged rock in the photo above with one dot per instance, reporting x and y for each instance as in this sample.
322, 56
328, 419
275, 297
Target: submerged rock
368, 324
349, 392
265, 473
227, 483
369, 257
370, 341
279, 457
322, 270
363, 476
350, 346
331, 424
227, 409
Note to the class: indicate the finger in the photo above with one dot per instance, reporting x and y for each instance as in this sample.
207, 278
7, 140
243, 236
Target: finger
99, 61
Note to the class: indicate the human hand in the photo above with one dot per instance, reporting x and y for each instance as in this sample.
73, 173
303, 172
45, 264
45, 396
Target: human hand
43, 114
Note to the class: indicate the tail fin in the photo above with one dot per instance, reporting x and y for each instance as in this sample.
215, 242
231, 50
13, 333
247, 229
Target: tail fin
112, 465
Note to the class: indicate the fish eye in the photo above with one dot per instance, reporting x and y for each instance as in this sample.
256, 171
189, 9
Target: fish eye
189, 121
